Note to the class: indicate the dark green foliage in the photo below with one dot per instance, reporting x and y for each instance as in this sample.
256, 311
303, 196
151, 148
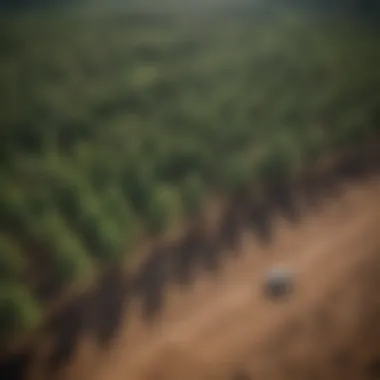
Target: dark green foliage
19, 312
192, 191
163, 209
237, 172
274, 164
71, 262
12, 262
136, 182
13, 210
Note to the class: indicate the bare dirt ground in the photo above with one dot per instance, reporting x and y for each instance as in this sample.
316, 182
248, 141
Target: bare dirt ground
224, 328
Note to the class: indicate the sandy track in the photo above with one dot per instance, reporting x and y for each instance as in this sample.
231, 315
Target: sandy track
224, 326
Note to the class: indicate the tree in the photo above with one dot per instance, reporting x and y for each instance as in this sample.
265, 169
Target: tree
360, 7
28, 4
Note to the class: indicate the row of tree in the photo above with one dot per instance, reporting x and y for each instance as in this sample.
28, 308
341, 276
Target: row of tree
362, 6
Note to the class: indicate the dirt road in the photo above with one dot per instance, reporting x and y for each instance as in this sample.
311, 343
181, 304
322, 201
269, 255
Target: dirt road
224, 328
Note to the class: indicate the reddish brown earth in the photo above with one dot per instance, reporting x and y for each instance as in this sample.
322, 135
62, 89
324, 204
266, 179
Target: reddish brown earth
223, 327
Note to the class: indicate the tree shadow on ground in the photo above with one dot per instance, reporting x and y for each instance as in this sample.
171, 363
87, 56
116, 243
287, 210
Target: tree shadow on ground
259, 217
241, 376
282, 198
192, 253
109, 303
373, 369
66, 328
211, 258
230, 227
150, 281
16, 366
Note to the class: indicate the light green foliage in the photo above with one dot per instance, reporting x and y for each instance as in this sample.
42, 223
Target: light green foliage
12, 261
163, 209
19, 311
71, 261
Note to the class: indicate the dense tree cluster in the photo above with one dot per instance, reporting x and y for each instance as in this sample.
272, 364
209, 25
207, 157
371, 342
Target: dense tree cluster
360, 6
115, 128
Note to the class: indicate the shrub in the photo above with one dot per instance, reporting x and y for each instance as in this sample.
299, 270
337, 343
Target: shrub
273, 165
69, 198
19, 311
38, 203
116, 206
237, 172
71, 262
88, 227
110, 240
100, 231
179, 161
47, 228
12, 261
192, 191
163, 208
312, 147
118, 211
13, 208
71, 190
101, 172
352, 130
137, 182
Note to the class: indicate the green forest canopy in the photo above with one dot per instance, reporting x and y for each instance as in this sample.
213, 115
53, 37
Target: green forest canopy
116, 127
366, 6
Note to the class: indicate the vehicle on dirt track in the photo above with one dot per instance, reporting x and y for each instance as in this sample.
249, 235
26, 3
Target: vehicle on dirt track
279, 283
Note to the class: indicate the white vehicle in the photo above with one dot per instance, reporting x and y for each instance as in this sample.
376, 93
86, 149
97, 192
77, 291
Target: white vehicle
279, 283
